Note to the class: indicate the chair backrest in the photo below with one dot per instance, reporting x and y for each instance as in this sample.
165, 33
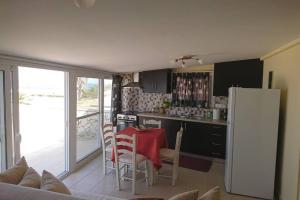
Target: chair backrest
152, 123
178, 140
124, 144
107, 134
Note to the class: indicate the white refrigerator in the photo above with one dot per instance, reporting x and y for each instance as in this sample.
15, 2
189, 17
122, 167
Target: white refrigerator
252, 130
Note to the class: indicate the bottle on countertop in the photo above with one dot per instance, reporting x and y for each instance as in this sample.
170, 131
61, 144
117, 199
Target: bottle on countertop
225, 114
216, 114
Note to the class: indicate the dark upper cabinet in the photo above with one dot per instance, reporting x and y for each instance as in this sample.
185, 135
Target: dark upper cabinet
156, 81
244, 73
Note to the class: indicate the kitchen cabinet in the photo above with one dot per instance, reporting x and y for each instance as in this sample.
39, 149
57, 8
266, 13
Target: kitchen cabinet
198, 138
216, 137
244, 73
195, 139
156, 81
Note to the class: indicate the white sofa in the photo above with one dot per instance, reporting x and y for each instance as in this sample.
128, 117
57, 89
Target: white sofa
16, 192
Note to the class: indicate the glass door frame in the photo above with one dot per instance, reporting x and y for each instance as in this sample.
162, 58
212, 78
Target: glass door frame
9, 65
15, 108
73, 106
100, 102
8, 113
100, 88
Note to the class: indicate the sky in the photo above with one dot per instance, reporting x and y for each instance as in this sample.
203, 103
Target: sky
41, 81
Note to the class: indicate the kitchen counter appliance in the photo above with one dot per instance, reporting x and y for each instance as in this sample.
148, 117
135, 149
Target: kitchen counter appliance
252, 129
126, 119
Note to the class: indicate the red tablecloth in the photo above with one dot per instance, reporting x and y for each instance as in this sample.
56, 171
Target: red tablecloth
148, 143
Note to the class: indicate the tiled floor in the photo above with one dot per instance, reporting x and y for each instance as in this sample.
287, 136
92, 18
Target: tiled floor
91, 179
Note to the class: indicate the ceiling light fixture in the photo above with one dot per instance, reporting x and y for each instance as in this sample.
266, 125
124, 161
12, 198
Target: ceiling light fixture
182, 64
185, 58
84, 3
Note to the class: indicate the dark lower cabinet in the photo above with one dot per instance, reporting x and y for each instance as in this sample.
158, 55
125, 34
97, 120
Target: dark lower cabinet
216, 135
198, 138
171, 127
195, 140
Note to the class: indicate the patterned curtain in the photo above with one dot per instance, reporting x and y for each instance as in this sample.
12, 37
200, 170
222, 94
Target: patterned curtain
116, 98
190, 90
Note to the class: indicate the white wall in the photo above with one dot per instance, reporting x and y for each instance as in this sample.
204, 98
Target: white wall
285, 64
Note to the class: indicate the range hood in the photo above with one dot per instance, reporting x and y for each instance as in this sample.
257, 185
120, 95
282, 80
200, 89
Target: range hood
135, 83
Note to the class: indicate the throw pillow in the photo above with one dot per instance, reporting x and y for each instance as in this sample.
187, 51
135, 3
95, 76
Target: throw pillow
190, 195
15, 173
213, 194
31, 179
22, 162
51, 183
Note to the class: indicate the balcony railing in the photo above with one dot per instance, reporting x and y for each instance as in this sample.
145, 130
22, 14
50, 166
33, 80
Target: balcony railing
88, 125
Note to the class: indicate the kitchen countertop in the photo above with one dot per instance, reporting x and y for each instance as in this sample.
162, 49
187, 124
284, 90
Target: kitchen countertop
190, 119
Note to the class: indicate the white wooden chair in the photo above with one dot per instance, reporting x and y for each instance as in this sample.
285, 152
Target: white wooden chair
152, 123
125, 155
106, 139
172, 155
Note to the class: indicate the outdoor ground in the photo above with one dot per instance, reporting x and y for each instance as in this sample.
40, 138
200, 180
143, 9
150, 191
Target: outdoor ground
43, 138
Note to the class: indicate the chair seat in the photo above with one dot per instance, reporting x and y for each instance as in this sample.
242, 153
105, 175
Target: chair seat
167, 154
127, 158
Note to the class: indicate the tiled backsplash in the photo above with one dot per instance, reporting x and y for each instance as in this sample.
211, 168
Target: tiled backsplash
134, 99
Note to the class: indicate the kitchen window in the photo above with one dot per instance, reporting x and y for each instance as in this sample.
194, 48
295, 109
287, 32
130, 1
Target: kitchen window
191, 89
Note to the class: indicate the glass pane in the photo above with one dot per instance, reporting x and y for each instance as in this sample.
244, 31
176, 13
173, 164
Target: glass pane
2, 127
42, 117
88, 122
87, 96
107, 100
87, 135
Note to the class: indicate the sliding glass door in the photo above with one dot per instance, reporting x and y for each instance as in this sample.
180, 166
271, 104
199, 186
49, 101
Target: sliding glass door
88, 116
43, 114
2, 125
42, 118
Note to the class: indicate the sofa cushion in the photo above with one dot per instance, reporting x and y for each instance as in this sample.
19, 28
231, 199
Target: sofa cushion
190, 195
51, 183
22, 162
213, 194
17, 192
31, 179
14, 174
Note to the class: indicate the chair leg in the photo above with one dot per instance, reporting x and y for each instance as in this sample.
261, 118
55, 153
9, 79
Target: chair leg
104, 162
174, 172
146, 164
133, 178
126, 169
118, 176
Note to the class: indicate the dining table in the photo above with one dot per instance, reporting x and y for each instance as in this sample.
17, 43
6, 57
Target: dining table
148, 143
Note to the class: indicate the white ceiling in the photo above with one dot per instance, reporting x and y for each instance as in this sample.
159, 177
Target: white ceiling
135, 35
